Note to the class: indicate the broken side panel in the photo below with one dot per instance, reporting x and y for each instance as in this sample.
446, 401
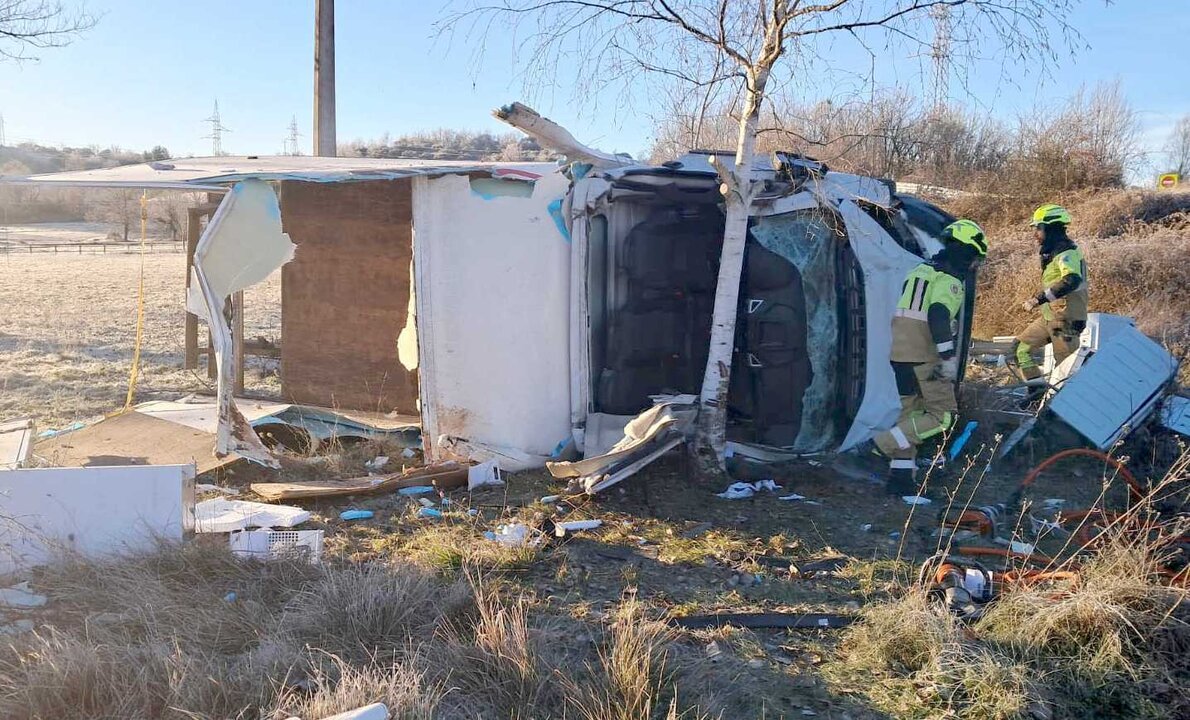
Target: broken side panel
493, 278
242, 245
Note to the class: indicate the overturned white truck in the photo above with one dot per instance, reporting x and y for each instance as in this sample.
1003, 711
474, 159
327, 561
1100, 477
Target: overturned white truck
825, 259
548, 305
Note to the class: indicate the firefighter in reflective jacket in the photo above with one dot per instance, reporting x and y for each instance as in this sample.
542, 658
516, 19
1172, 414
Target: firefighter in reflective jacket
924, 356
1063, 296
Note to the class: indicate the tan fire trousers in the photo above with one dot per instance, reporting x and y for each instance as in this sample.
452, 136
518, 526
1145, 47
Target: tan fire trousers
924, 414
1035, 336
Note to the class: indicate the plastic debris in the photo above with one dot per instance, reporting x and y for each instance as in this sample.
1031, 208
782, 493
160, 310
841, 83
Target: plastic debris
408, 453
416, 490
915, 500
794, 497
551, 499
485, 473
429, 512
960, 442
866, 527
230, 597
515, 535
356, 515
54, 433
560, 529
742, 490
377, 462
738, 491
425, 502
20, 596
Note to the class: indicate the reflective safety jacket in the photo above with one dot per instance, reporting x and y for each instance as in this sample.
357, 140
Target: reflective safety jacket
1064, 292
924, 323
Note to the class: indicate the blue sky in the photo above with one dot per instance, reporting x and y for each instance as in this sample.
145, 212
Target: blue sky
150, 71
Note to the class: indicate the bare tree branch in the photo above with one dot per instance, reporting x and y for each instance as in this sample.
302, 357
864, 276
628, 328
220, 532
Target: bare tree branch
30, 25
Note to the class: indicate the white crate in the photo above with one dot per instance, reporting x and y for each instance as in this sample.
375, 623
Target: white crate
275, 544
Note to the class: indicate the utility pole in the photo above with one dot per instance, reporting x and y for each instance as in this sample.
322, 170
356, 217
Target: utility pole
324, 78
1, 129
292, 148
217, 130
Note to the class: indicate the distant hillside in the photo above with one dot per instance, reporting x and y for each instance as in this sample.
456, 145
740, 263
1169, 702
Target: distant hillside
31, 158
444, 144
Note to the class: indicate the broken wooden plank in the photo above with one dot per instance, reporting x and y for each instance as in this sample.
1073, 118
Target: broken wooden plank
445, 476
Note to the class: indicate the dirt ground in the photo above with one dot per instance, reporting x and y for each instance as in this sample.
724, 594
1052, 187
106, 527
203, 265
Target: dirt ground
68, 328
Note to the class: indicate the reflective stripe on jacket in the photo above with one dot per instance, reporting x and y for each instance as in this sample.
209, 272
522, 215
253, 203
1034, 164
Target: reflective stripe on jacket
925, 286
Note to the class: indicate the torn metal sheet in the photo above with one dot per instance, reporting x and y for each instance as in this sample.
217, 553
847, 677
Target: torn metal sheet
647, 437
1117, 384
92, 510
242, 245
16, 443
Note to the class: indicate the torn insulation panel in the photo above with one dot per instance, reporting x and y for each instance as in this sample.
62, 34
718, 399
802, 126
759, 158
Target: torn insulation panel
242, 245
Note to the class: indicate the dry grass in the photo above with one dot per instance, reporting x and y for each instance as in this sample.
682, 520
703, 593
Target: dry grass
68, 329
1113, 644
157, 635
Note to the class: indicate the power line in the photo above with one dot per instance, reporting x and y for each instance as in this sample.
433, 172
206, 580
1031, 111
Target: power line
217, 130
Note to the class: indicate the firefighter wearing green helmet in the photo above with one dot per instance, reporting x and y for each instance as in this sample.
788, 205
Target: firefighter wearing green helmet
924, 354
1063, 296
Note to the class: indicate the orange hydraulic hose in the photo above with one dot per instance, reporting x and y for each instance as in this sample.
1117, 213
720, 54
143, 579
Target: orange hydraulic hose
1135, 489
1037, 558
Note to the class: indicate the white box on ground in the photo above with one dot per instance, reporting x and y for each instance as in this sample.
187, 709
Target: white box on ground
91, 510
277, 544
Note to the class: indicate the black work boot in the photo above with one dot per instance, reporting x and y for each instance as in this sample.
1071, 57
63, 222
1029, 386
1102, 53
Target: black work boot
901, 482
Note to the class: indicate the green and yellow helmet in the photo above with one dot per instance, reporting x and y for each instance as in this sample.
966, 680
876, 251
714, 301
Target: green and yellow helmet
966, 232
1050, 214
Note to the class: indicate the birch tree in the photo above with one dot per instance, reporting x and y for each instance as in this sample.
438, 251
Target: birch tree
747, 45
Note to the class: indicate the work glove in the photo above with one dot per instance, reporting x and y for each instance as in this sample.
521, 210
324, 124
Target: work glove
948, 369
1030, 304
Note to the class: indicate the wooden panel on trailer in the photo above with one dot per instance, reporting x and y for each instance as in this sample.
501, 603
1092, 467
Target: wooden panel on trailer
345, 295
